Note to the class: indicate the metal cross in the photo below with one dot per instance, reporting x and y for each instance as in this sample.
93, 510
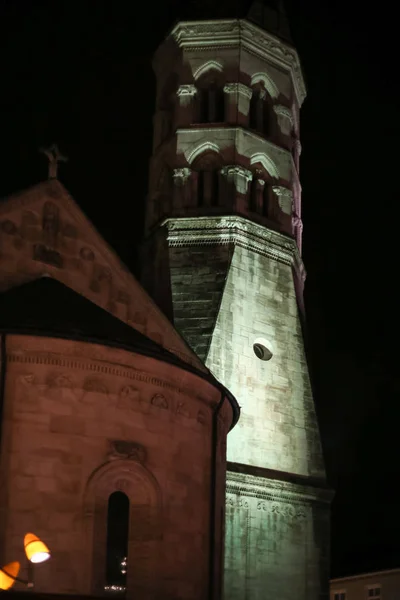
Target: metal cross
54, 155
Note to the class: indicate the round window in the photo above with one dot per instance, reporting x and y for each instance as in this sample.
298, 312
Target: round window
262, 350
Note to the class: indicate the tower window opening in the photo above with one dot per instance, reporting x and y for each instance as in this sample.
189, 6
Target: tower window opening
253, 195
200, 188
117, 542
265, 200
208, 188
214, 188
211, 104
255, 111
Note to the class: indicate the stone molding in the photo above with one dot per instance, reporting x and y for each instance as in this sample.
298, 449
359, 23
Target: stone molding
185, 93
285, 118
279, 109
186, 90
238, 88
239, 176
187, 231
298, 147
251, 486
228, 33
80, 364
285, 198
191, 142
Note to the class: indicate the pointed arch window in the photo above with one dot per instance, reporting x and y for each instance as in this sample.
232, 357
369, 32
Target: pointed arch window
259, 112
259, 196
266, 200
200, 188
211, 103
253, 200
117, 541
208, 187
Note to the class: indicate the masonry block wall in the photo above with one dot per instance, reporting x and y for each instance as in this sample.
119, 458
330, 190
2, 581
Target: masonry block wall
225, 196
81, 421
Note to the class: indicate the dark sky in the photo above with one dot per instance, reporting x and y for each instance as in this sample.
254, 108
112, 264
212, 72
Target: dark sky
82, 77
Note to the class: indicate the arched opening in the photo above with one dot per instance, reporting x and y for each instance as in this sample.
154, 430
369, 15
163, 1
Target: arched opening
117, 541
266, 200
259, 195
260, 112
208, 179
211, 98
253, 194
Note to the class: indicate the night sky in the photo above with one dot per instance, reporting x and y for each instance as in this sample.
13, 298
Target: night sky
82, 77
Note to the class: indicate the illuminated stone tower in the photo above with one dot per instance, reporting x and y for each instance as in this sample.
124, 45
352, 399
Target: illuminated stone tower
223, 259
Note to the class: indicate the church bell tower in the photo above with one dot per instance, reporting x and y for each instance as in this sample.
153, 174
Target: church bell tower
222, 258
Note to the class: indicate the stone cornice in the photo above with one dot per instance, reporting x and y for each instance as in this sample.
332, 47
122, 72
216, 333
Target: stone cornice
283, 111
222, 33
123, 372
238, 88
186, 90
231, 229
243, 484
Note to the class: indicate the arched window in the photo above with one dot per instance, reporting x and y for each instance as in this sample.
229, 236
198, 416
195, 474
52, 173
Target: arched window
208, 187
200, 188
259, 112
266, 200
253, 200
117, 540
211, 102
259, 196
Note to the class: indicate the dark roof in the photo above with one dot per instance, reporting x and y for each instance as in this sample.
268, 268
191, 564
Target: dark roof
47, 307
270, 15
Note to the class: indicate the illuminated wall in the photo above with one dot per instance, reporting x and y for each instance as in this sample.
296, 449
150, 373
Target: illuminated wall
224, 221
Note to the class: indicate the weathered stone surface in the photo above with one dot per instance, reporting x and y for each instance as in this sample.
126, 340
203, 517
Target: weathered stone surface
58, 472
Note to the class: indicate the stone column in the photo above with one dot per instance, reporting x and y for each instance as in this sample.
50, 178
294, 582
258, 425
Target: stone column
181, 189
237, 101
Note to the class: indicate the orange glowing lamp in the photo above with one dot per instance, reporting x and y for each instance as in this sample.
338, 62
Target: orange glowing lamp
9, 575
35, 550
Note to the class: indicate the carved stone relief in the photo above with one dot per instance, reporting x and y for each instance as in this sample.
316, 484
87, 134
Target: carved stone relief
160, 401
128, 397
182, 410
121, 449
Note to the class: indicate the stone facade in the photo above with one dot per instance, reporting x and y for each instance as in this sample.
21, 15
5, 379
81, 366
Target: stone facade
225, 233
81, 421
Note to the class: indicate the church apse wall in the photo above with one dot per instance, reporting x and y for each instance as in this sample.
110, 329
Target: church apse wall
82, 421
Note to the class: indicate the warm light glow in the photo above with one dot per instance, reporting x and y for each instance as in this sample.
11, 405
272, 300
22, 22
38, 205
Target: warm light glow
35, 549
8, 575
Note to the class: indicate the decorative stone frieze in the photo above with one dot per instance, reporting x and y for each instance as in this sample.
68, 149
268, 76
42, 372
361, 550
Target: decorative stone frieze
234, 230
285, 198
238, 88
237, 175
185, 93
285, 118
262, 488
